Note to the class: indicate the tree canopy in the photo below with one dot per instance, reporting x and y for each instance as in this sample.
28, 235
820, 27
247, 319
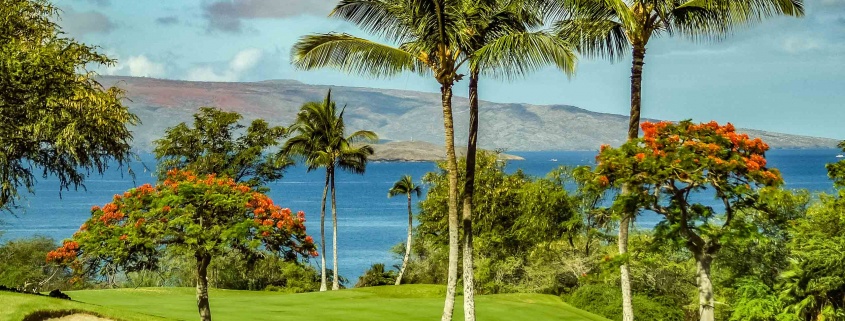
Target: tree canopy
217, 143
55, 118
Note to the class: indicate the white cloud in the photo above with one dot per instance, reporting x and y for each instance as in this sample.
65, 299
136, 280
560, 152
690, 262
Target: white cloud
243, 62
136, 66
795, 44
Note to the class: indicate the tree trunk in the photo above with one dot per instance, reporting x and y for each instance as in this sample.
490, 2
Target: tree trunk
624, 224
625, 273
323, 233
407, 243
469, 190
636, 92
202, 286
706, 302
335, 280
452, 169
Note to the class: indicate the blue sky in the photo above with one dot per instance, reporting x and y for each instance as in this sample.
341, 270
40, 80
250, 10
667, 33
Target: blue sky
784, 74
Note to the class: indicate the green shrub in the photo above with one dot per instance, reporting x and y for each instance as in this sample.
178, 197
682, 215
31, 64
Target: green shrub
606, 301
376, 276
23, 265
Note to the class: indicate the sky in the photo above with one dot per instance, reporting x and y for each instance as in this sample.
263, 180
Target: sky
784, 74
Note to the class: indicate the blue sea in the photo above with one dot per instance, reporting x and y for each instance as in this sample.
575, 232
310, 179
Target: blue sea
369, 223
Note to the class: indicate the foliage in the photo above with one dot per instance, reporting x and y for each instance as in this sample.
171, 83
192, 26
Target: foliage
518, 219
813, 287
604, 300
671, 165
836, 171
55, 118
191, 215
22, 266
376, 275
212, 145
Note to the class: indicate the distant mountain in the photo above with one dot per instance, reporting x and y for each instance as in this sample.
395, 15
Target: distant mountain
397, 115
417, 151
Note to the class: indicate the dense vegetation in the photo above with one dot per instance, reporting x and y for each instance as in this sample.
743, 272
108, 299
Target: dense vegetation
763, 253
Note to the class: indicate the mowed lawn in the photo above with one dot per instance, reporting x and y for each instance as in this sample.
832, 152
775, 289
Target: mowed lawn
406, 302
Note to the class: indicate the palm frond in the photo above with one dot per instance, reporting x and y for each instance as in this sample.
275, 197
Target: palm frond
353, 55
518, 54
595, 38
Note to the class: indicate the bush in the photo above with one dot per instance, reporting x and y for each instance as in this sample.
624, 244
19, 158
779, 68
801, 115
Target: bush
606, 301
23, 265
377, 276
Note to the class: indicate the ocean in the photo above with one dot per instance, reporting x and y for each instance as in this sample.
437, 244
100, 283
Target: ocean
369, 223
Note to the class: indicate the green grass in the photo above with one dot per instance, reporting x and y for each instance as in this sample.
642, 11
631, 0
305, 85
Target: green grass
406, 302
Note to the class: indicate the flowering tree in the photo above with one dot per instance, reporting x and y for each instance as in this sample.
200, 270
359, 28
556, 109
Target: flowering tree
671, 165
199, 216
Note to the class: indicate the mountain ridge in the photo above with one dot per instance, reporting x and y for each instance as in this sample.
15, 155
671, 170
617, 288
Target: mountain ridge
397, 115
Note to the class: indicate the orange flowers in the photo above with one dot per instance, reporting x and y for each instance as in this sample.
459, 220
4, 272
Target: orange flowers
64, 254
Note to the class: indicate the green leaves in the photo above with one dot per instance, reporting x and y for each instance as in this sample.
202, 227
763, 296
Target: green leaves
212, 145
54, 116
353, 55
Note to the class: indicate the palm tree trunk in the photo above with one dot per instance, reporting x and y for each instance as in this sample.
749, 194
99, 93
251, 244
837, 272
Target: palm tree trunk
323, 233
469, 191
202, 286
452, 169
335, 280
625, 223
408, 243
636, 92
705, 287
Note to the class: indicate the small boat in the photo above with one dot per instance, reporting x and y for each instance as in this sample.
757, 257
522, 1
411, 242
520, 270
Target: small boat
553, 160
840, 156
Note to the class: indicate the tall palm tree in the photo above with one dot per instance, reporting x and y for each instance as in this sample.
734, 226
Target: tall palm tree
426, 31
608, 28
406, 186
428, 34
320, 139
502, 40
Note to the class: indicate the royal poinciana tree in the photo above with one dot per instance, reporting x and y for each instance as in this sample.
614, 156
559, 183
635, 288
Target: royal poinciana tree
611, 28
670, 166
201, 216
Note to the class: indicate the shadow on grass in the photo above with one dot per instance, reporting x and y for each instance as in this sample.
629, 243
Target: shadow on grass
50, 314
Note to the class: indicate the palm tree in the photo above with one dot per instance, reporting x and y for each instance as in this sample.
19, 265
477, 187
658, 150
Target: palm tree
321, 142
427, 32
405, 186
503, 40
608, 28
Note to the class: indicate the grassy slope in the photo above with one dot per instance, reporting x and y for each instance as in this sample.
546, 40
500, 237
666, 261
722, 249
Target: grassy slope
407, 302
15, 306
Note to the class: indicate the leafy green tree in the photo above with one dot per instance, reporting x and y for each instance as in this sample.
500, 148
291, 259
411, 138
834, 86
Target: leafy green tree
406, 186
201, 216
321, 140
674, 162
22, 265
608, 28
813, 287
55, 118
215, 145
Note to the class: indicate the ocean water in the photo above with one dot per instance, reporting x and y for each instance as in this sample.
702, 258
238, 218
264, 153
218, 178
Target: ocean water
369, 223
